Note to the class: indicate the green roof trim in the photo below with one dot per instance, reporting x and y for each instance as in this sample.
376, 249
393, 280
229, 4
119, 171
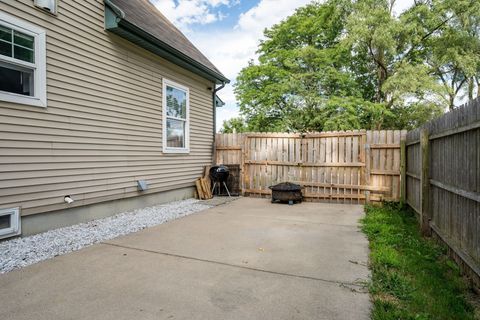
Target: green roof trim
116, 22
219, 102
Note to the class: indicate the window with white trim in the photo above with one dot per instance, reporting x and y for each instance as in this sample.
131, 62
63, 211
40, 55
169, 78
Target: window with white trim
176, 106
22, 62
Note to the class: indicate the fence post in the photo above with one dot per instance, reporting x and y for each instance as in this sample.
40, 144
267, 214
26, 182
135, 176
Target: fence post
243, 166
367, 172
303, 158
361, 156
403, 172
425, 184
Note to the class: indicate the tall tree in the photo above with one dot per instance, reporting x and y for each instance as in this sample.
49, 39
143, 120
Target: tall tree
455, 51
357, 64
302, 63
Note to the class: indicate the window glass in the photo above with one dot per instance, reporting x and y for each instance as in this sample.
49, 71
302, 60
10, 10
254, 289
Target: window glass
175, 133
5, 222
23, 40
176, 118
22, 48
176, 103
5, 48
5, 34
23, 54
16, 79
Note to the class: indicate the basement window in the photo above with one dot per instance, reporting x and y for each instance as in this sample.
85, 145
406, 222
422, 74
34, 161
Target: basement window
9, 222
22, 62
175, 117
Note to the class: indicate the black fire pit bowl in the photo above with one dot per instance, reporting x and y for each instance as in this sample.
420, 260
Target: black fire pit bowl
286, 192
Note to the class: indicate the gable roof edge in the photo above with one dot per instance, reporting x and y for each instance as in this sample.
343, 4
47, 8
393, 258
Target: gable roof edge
116, 22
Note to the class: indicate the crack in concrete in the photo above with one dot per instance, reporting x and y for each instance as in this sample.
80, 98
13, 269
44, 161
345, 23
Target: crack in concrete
342, 284
353, 226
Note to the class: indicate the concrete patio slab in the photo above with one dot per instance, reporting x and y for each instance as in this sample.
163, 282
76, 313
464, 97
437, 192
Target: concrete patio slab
309, 239
247, 259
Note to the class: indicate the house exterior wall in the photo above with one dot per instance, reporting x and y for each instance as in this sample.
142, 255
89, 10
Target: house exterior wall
102, 128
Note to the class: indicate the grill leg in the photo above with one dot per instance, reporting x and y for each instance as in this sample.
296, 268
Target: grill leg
213, 189
226, 188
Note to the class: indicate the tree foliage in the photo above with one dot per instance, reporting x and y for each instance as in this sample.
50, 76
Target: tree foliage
234, 125
345, 64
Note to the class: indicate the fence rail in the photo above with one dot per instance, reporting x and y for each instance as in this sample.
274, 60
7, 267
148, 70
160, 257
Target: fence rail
344, 166
443, 182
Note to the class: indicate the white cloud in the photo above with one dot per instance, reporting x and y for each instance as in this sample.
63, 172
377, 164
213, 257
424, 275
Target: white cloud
268, 12
184, 13
402, 5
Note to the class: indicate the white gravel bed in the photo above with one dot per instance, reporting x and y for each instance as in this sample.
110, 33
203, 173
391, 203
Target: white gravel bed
21, 252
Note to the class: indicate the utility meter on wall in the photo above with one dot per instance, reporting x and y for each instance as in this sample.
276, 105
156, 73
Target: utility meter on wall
47, 5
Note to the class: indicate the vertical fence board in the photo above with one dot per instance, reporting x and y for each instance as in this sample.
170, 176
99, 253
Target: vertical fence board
450, 190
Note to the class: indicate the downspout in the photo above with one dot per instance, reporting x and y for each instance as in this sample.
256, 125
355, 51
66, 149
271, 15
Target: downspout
214, 94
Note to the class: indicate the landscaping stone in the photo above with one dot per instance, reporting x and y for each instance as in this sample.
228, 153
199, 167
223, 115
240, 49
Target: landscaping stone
21, 252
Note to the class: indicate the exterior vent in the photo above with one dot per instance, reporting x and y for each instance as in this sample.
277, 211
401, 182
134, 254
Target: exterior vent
142, 185
47, 5
10, 222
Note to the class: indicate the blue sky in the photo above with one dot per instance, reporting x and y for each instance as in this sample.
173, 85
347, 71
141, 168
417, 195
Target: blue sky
228, 32
228, 16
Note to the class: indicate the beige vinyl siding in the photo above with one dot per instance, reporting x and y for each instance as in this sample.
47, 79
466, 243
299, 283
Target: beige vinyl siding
102, 129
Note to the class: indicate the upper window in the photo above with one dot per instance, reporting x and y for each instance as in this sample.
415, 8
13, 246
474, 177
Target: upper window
175, 118
22, 62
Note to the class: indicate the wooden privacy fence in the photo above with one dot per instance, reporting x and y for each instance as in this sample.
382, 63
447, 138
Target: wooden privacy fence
442, 176
343, 166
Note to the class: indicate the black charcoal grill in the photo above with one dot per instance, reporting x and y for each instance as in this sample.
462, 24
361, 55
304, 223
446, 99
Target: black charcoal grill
219, 176
286, 192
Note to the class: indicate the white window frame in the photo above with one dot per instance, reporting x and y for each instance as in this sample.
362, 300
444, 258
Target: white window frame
39, 99
15, 225
178, 86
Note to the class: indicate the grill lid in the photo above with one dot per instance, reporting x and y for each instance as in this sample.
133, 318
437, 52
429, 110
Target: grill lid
219, 173
286, 186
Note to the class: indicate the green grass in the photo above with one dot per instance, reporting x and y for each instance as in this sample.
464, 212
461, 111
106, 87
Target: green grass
412, 278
